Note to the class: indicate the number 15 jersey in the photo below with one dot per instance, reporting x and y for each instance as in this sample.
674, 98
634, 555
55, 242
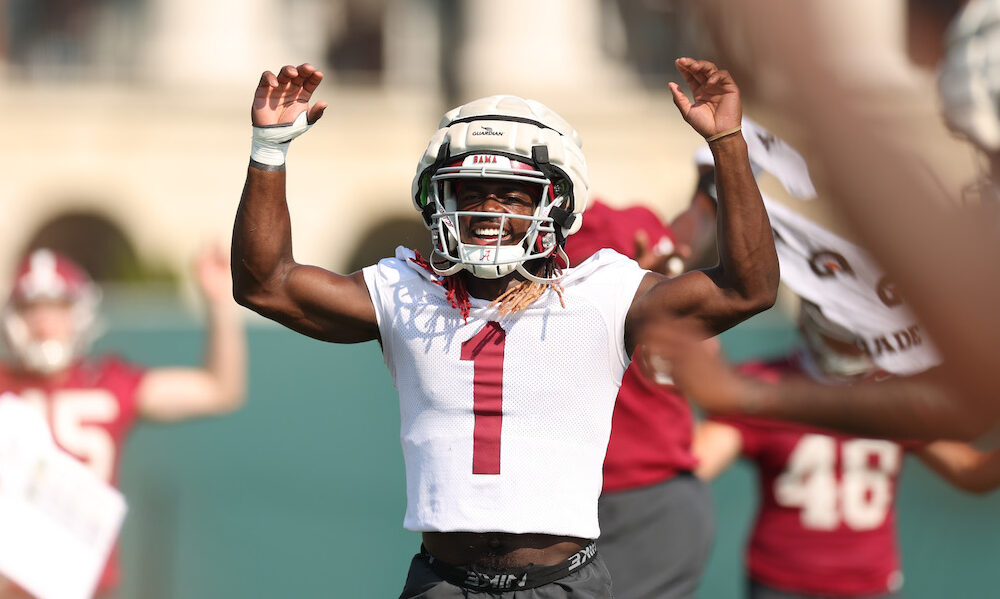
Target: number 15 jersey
505, 419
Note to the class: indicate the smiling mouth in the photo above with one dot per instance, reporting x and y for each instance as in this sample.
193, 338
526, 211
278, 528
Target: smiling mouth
489, 234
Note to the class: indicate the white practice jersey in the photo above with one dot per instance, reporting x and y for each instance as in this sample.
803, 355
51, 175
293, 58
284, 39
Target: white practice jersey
505, 420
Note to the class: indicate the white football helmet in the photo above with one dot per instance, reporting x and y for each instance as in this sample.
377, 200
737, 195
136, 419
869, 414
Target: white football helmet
510, 138
46, 276
969, 78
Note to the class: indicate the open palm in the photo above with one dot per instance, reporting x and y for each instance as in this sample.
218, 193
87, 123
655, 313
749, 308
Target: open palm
280, 98
716, 103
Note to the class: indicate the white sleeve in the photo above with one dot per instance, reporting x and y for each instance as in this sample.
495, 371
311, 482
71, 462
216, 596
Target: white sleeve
381, 278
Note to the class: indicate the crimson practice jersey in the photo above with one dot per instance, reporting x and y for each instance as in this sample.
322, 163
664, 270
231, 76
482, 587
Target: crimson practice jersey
505, 419
827, 521
90, 409
651, 426
650, 435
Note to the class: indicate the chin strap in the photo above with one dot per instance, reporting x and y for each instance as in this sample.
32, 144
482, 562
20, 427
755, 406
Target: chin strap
557, 275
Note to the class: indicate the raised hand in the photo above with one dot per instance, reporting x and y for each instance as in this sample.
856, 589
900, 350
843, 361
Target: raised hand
666, 259
214, 278
280, 98
716, 107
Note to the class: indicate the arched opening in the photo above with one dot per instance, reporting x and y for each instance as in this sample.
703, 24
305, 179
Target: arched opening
381, 239
99, 246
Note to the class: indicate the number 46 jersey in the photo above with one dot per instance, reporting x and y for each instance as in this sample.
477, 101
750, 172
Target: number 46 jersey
505, 419
826, 524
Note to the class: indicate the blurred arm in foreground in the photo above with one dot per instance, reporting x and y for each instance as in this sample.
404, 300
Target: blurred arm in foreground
896, 209
926, 406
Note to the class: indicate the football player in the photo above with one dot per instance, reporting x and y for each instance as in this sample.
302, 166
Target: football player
826, 525
93, 402
506, 359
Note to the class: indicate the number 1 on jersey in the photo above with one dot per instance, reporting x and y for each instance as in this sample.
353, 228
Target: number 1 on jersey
485, 350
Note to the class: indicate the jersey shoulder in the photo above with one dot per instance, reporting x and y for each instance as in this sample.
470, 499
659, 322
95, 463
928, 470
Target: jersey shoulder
604, 265
110, 370
405, 266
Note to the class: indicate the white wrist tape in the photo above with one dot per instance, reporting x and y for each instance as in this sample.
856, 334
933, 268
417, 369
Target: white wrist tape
270, 142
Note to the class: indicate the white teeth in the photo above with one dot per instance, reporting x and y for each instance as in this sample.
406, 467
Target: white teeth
487, 231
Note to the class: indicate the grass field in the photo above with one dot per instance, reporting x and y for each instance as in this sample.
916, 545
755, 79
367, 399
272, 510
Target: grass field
301, 494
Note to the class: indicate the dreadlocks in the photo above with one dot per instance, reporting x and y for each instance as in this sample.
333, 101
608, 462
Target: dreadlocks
520, 296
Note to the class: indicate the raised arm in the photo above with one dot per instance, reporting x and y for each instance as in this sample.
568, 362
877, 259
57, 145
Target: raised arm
963, 465
266, 278
920, 407
219, 386
746, 279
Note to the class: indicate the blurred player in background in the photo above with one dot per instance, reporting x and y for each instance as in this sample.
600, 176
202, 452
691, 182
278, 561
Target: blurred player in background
655, 516
826, 522
92, 403
506, 360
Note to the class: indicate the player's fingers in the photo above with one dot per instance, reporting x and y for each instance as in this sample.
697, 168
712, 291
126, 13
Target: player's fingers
282, 94
654, 365
719, 80
680, 100
286, 74
704, 66
267, 80
641, 241
312, 82
645, 256
316, 112
216, 251
700, 69
261, 95
303, 72
686, 67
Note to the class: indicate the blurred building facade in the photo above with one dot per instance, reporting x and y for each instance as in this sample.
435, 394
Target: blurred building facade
127, 120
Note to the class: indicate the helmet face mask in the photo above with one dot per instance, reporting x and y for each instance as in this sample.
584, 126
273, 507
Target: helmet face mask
50, 317
493, 140
523, 232
832, 353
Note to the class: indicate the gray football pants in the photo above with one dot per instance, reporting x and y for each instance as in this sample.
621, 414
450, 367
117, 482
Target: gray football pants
656, 539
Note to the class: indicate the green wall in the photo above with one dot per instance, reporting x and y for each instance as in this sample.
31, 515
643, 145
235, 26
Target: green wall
301, 494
